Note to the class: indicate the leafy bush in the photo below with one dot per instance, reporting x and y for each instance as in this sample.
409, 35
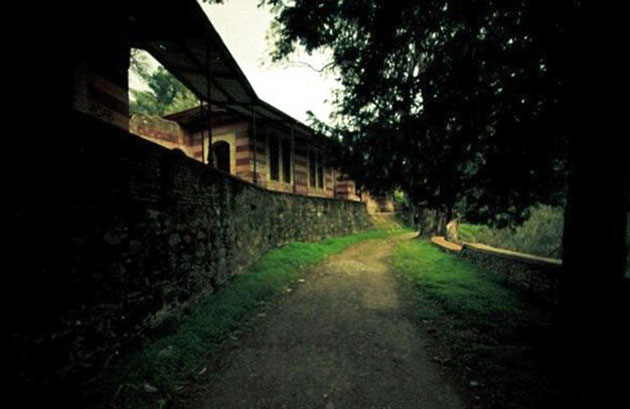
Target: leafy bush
540, 234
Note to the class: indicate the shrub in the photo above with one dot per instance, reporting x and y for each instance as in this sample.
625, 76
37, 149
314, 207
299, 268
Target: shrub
540, 234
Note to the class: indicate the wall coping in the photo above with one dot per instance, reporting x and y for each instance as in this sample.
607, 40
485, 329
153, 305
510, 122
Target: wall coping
441, 242
515, 255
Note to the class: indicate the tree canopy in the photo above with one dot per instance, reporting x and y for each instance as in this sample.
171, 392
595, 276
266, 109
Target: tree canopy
165, 94
453, 102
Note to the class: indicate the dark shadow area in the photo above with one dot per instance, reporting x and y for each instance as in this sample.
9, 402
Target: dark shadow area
97, 218
221, 152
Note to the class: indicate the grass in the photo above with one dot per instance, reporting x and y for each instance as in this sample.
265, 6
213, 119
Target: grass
484, 333
153, 376
463, 289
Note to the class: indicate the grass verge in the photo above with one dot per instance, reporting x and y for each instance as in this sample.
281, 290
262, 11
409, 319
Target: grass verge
155, 376
483, 334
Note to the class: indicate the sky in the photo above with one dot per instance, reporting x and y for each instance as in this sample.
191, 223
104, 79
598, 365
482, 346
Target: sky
292, 88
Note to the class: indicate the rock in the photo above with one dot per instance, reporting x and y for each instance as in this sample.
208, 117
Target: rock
149, 388
330, 405
174, 239
117, 270
166, 351
114, 236
135, 246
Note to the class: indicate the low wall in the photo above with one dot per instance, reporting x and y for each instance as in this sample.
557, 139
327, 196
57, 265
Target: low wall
535, 276
126, 235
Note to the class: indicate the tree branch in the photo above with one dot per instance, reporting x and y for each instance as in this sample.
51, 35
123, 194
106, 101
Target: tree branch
305, 64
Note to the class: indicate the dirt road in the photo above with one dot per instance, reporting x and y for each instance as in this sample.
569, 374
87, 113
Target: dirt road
344, 338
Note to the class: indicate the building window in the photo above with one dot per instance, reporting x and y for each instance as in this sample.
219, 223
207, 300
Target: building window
286, 160
274, 158
221, 156
280, 159
320, 171
316, 170
312, 170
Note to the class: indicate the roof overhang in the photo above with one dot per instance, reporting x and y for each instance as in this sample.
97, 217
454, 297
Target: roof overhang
182, 39
180, 36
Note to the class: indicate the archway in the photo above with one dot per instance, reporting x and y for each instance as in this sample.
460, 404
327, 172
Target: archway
221, 156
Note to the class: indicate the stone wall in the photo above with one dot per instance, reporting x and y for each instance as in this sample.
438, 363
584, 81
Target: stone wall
537, 277
534, 276
127, 236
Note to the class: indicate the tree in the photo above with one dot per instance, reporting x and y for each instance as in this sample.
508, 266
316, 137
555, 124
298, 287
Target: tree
455, 103
165, 94
490, 104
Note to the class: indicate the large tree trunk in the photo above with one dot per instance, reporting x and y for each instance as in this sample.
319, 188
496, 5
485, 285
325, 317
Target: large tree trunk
593, 316
594, 306
431, 222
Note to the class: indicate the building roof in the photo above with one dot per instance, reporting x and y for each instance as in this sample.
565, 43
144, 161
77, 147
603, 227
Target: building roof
180, 36
194, 119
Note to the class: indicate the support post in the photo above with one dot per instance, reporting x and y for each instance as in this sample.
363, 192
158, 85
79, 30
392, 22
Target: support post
202, 131
255, 143
293, 160
209, 105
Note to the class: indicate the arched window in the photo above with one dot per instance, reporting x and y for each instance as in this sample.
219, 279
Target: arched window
221, 156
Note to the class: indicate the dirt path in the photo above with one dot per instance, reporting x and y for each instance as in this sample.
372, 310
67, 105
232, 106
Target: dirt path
343, 339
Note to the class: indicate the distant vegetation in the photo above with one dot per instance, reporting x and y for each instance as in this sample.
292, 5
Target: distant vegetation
163, 95
540, 234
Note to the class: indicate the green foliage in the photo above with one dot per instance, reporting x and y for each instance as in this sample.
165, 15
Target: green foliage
165, 95
472, 233
540, 234
461, 288
170, 362
453, 102
404, 208
400, 199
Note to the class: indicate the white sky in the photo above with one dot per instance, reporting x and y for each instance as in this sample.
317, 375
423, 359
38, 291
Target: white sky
292, 88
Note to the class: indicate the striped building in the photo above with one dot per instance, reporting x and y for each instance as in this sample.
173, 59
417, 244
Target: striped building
250, 139
280, 156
